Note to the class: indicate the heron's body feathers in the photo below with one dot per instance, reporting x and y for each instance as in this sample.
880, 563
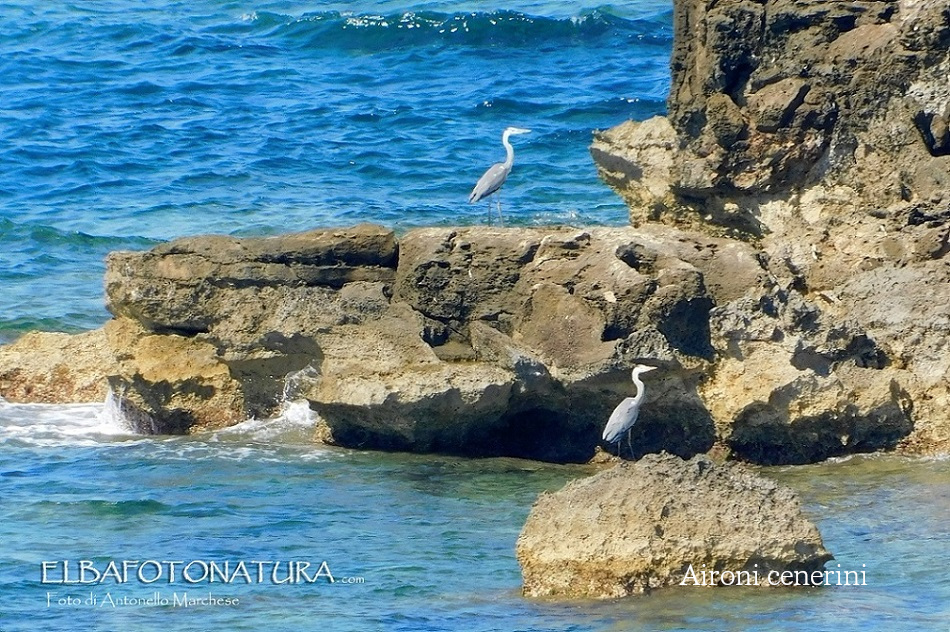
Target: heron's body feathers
626, 413
496, 175
623, 417
490, 182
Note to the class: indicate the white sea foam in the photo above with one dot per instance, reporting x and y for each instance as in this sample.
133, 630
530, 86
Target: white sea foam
49, 425
79, 425
294, 421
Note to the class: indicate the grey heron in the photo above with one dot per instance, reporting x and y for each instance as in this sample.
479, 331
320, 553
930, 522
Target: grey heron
496, 175
626, 412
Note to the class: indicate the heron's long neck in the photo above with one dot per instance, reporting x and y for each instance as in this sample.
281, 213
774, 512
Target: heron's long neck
640, 390
510, 159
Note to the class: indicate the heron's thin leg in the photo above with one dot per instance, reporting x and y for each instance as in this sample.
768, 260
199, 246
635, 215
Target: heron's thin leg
501, 220
629, 443
488, 201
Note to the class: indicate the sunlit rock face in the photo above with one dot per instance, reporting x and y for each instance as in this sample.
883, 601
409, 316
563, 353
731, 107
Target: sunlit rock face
662, 522
815, 131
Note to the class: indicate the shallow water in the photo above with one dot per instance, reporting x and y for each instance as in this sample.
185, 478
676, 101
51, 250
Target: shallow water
431, 537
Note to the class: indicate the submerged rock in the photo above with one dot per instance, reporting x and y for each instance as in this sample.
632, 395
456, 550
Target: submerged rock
646, 525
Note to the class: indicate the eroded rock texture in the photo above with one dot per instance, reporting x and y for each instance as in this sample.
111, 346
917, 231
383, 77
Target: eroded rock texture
815, 131
480, 341
639, 527
787, 270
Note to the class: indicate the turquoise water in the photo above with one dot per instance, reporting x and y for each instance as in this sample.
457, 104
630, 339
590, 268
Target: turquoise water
432, 538
123, 123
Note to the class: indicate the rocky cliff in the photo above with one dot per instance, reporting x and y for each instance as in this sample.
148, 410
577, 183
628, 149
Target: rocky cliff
816, 132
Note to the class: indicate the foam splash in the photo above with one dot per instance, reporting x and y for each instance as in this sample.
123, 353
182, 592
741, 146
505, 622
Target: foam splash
51, 425
294, 422
86, 425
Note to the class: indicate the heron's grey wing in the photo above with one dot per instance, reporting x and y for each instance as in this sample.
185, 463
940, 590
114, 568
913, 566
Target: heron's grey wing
490, 182
624, 416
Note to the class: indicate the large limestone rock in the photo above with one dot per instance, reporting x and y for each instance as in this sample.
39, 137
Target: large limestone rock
815, 131
517, 341
224, 320
639, 526
476, 341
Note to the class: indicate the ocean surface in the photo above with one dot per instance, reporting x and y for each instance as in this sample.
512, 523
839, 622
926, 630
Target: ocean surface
414, 543
123, 124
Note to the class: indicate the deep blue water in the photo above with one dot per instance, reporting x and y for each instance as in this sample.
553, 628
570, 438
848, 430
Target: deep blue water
123, 123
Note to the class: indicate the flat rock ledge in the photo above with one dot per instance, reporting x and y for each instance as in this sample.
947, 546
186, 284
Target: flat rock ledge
640, 526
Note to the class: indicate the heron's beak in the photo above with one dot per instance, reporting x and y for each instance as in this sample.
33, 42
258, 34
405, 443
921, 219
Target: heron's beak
647, 369
520, 130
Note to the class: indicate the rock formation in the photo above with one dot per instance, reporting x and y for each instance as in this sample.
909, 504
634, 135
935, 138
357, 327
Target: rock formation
476, 341
49, 368
815, 132
638, 527
786, 269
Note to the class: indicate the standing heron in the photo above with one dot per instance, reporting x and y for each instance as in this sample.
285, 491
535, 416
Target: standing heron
496, 175
626, 412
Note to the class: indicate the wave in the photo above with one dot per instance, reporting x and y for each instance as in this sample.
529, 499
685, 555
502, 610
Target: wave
56, 425
38, 234
367, 32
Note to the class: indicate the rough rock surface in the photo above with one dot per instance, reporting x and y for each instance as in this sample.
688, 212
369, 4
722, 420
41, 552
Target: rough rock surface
480, 341
55, 368
815, 131
239, 314
638, 527
171, 384
787, 271
484, 341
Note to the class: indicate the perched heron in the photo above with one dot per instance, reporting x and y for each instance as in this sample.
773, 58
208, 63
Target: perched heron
626, 412
496, 175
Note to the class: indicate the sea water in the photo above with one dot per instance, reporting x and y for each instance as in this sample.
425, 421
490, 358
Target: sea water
412, 542
123, 124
